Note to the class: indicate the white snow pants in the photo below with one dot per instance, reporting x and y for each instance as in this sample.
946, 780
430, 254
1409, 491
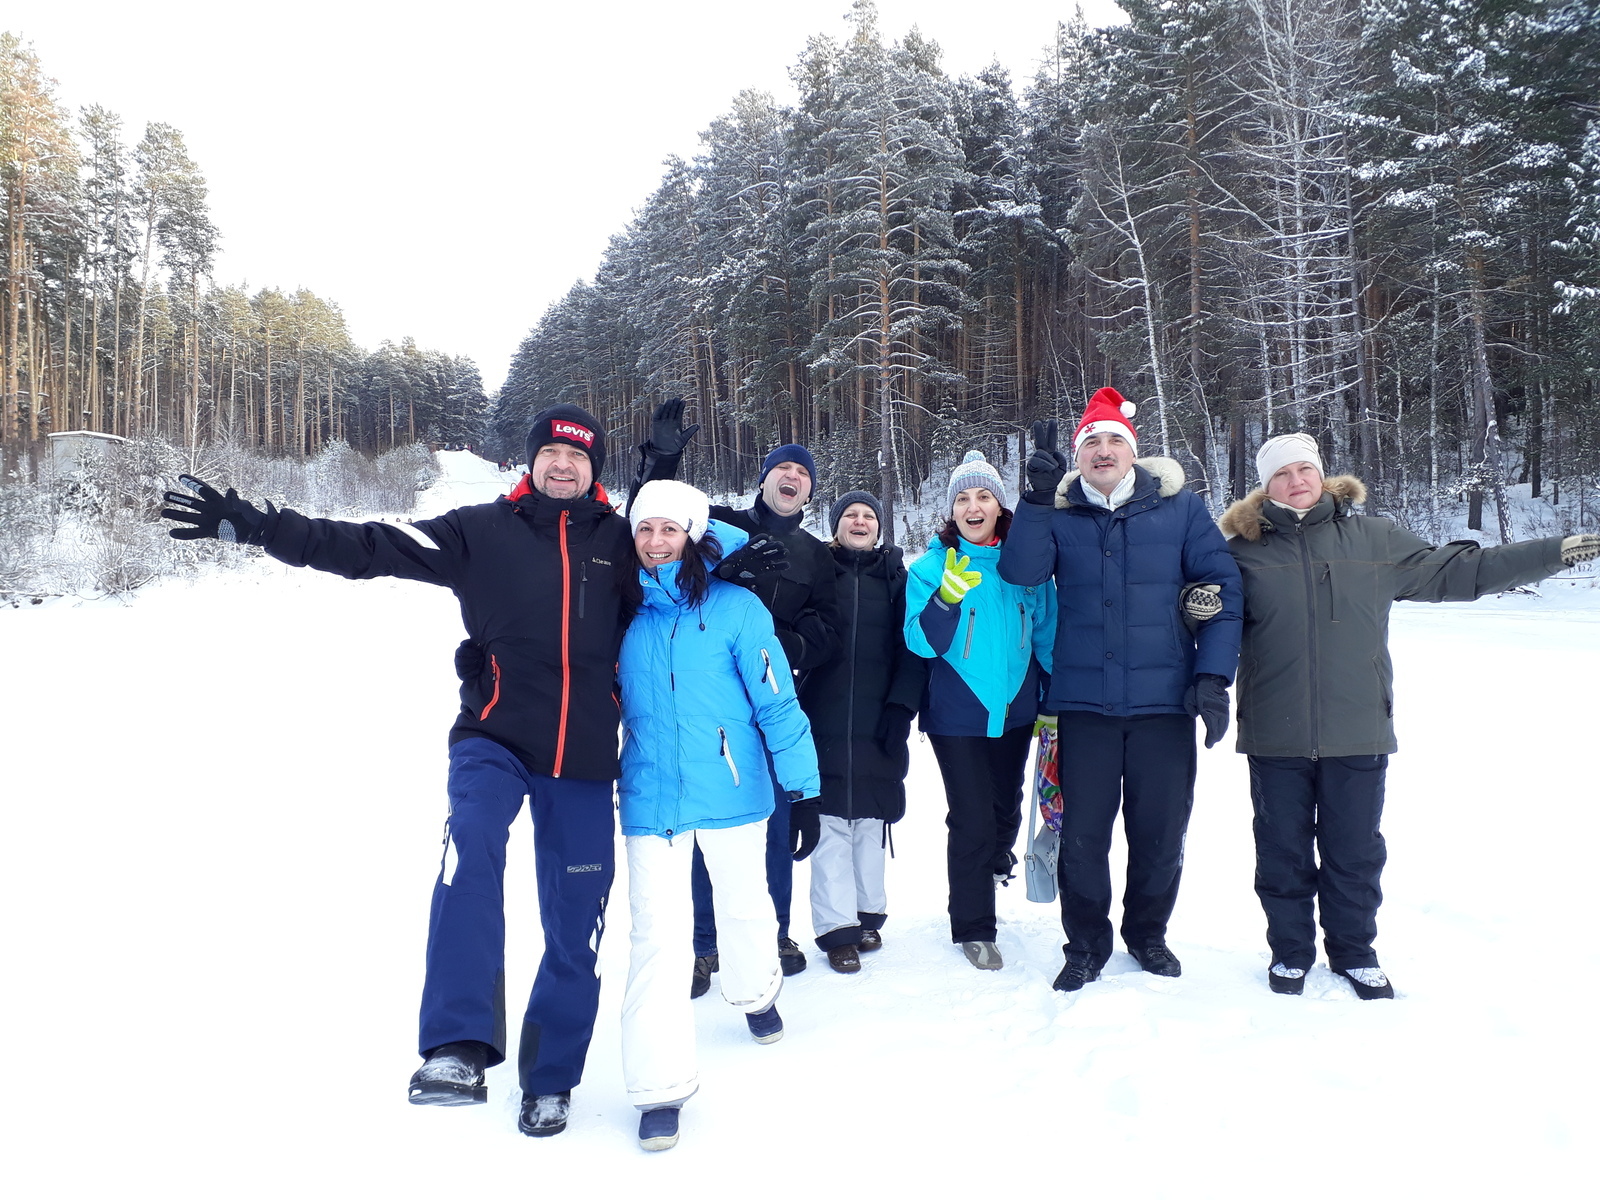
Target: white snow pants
658, 1058
846, 873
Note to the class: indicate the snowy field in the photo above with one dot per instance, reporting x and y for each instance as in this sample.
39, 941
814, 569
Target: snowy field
224, 804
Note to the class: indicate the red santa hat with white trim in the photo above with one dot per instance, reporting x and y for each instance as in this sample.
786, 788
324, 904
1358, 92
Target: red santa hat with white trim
1108, 412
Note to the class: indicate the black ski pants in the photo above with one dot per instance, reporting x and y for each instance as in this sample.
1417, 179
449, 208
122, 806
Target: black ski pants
983, 789
1332, 805
1145, 766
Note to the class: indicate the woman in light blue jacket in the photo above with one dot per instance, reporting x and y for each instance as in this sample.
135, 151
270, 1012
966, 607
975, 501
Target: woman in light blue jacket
990, 642
706, 694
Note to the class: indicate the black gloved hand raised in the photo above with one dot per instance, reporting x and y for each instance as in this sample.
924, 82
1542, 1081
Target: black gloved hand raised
805, 827
894, 727
668, 435
212, 515
1207, 699
754, 561
1046, 465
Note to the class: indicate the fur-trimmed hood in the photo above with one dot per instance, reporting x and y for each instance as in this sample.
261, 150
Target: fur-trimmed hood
1166, 472
1246, 519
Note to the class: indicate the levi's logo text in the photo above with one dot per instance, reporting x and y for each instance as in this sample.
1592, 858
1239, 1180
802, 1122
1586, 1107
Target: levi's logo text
577, 433
583, 869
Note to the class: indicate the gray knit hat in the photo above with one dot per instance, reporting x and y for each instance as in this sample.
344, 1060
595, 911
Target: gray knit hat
845, 501
974, 471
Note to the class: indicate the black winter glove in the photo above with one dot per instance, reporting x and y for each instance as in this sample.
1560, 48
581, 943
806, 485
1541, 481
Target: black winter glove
667, 432
894, 727
805, 827
1207, 699
212, 515
754, 561
1046, 465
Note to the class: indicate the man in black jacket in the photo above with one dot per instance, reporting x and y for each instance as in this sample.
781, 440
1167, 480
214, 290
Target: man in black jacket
804, 604
540, 574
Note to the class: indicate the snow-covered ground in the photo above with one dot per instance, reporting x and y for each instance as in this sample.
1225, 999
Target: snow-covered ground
224, 800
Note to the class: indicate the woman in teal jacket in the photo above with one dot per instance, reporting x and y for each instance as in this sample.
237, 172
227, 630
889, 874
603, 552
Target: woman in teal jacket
990, 643
706, 693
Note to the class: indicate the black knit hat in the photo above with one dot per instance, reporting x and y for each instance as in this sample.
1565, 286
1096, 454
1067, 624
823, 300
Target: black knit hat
845, 501
572, 426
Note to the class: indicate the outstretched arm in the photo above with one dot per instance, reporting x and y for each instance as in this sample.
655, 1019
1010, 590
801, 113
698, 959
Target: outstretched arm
659, 457
1465, 570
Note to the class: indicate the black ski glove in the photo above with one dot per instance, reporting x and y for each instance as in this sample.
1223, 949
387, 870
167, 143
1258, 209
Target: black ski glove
894, 727
1207, 699
1199, 602
805, 827
668, 435
1046, 465
212, 515
754, 561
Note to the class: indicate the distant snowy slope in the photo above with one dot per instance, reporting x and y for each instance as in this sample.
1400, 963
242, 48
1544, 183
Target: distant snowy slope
466, 479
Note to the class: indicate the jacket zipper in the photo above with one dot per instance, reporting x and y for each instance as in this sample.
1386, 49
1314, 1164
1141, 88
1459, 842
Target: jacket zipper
770, 676
1311, 635
972, 618
728, 758
850, 703
583, 585
494, 665
566, 629
1022, 627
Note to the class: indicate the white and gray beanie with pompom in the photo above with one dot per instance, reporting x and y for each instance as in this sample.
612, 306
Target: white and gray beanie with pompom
975, 471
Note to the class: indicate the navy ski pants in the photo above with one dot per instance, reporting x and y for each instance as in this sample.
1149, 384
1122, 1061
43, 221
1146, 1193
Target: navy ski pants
983, 794
780, 874
1334, 804
1145, 766
463, 995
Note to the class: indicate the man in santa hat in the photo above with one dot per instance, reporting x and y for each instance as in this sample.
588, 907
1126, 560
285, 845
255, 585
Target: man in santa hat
1129, 548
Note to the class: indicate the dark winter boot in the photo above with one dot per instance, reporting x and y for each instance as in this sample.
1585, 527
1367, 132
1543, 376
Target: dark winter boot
705, 966
1370, 983
765, 1026
544, 1116
658, 1128
790, 957
1078, 971
844, 960
871, 939
452, 1074
1157, 960
1286, 981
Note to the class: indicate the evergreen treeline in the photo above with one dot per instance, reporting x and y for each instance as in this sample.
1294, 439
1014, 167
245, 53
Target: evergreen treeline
1376, 220
109, 320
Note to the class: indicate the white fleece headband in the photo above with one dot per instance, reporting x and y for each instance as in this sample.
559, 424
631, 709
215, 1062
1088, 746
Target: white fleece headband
1279, 452
669, 500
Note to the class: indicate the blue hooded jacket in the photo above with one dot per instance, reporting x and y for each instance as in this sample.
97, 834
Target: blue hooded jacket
702, 689
1121, 648
988, 651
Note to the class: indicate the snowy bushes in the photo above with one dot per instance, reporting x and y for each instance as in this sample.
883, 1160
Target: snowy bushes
96, 530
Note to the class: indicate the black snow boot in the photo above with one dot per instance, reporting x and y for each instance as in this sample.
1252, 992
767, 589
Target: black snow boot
1370, 983
1156, 959
544, 1116
1286, 981
453, 1074
790, 957
705, 966
1078, 971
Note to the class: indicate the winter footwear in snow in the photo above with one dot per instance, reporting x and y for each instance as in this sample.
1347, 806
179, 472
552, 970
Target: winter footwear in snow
452, 1074
871, 939
1157, 960
1075, 974
658, 1128
844, 959
705, 966
790, 957
544, 1116
1286, 981
1370, 983
766, 1025
983, 955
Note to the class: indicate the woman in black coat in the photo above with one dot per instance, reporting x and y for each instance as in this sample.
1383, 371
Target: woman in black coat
861, 704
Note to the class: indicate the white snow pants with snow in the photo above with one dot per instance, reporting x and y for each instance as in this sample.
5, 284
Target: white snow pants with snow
846, 875
658, 1057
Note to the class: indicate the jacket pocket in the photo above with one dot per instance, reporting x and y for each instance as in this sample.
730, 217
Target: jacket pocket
733, 767
494, 666
769, 677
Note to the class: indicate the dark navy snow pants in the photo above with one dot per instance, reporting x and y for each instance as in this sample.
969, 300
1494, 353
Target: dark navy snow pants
463, 996
780, 874
983, 794
1333, 805
1145, 766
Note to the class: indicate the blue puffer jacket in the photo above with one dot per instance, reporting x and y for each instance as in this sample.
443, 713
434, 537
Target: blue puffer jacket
988, 651
701, 689
1121, 647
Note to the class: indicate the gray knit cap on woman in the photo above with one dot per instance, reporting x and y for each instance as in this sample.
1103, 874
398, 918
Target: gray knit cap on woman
845, 501
974, 471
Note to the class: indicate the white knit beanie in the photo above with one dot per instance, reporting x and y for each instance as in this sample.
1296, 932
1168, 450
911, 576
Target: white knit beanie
669, 500
974, 471
1279, 452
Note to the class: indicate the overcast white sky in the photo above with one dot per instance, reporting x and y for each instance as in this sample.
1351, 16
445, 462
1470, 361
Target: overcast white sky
446, 171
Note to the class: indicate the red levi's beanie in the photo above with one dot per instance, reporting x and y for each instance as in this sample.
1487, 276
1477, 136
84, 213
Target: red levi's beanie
1108, 412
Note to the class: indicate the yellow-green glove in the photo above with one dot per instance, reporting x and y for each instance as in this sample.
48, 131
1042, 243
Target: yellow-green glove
957, 581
